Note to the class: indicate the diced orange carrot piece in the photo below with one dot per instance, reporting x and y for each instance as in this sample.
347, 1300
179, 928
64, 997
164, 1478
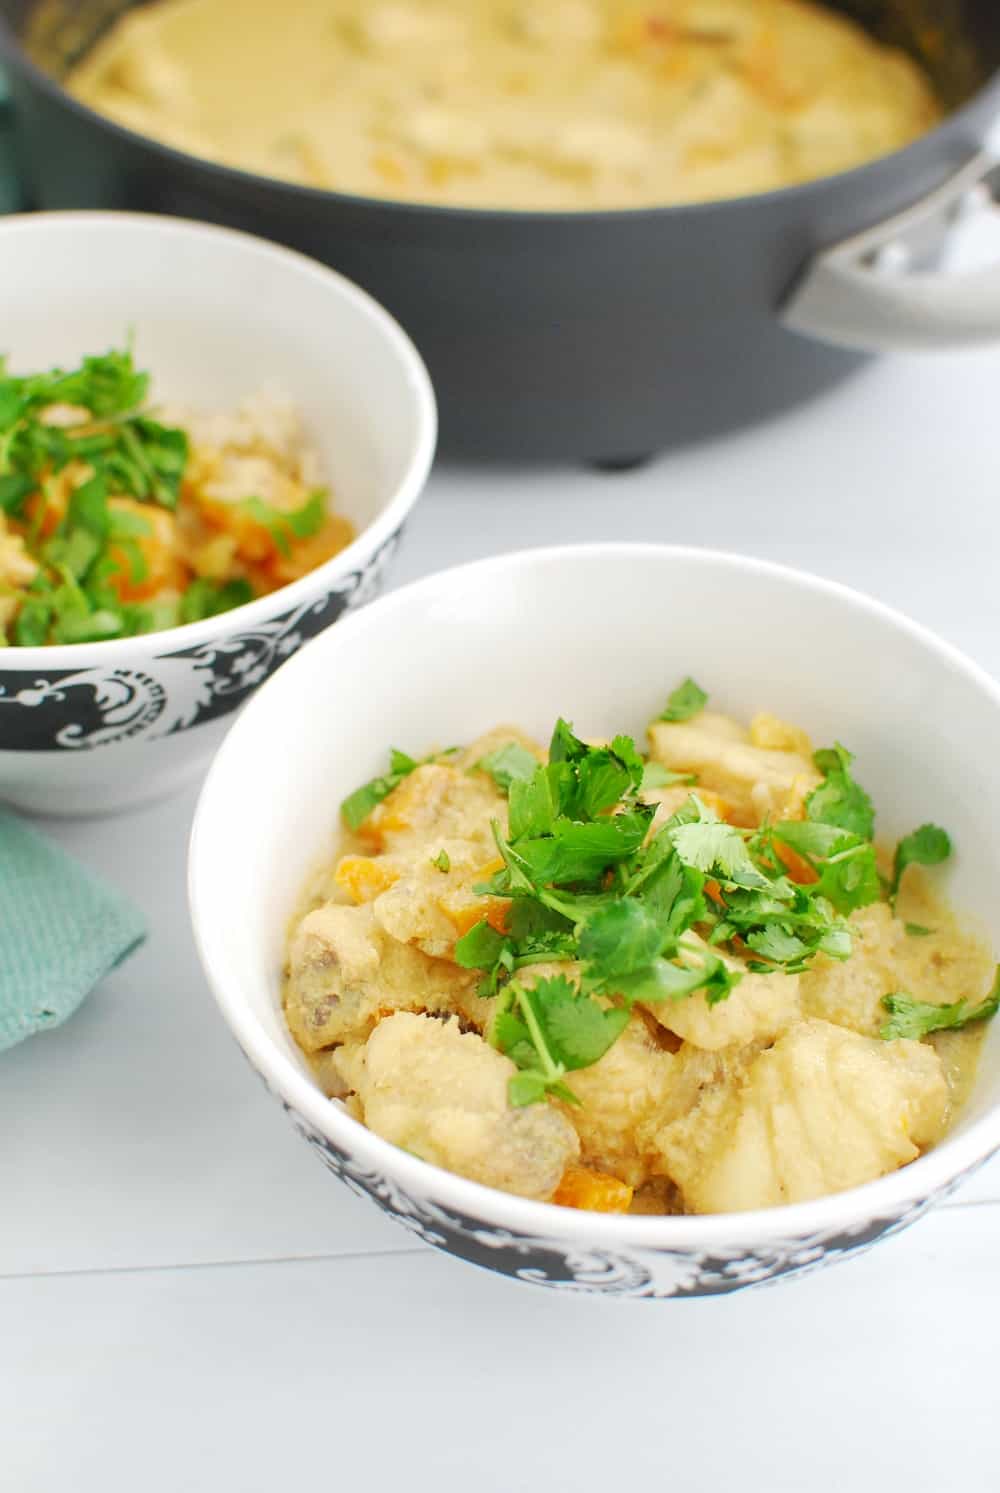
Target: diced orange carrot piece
798, 869
305, 554
254, 541
594, 1191
364, 878
714, 801
399, 808
465, 915
165, 570
714, 892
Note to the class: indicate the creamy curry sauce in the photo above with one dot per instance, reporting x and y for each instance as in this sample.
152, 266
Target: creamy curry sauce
571, 104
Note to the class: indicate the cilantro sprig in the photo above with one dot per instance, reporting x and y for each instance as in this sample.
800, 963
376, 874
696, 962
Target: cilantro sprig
589, 883
839, 800
548, 1030
916, 1019
509, 764
684, 702
358, 805
123, 452
927, 846
286, 524
647, 915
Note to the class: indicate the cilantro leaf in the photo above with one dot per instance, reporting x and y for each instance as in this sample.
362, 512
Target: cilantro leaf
88, 508
578, 1029
916, 1019
581, 852
621, 937
14, 488
88, 627
845, 865
564, 746
480, 948
534, 802
526, 1088
549, 1030
358, 805
839, 800
603, 779
684, 702
531, 921
204, 598
927, 846
666, 980
509, 763
777, 944
655, 775
285, 524
31, 629
712, 846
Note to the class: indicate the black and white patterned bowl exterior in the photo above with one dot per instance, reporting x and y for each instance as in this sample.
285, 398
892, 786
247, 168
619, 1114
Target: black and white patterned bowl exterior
80, 710
510, 639
547, 1259
217, 317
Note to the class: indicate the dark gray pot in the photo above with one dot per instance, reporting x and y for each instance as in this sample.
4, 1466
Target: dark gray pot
597, 336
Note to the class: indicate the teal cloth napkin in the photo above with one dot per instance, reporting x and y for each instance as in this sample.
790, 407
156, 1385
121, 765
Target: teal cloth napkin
62, 930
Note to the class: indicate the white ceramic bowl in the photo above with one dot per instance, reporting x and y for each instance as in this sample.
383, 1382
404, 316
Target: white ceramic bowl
599, 633
215, 315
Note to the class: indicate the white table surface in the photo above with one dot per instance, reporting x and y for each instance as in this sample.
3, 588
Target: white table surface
189, 1301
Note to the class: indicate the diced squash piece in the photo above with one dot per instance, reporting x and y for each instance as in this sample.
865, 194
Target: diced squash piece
594, 1191
466, 914
159, 566
365, 877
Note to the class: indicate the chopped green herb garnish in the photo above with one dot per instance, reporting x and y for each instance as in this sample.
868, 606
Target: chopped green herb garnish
643, 916
204, 598
358, 805
442, 861
684, 702
126, 454
917, 930
916, 1019
655, 775
839, 800
285, 524
550, 1030
926, 846
508, 764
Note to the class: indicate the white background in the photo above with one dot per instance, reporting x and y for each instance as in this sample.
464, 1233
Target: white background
189, 1301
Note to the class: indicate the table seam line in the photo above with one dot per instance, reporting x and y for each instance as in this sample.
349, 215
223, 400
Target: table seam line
317, 1258
252, 1261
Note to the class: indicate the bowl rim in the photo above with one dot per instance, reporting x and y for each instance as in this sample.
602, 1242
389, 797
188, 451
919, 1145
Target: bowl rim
369, 540
887, 1198
13, 52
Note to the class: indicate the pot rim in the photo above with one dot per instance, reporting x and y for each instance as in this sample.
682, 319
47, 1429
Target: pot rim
392, 513
885, 1199
12, 53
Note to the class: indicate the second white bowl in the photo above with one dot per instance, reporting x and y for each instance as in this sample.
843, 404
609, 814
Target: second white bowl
599, 634
215, 315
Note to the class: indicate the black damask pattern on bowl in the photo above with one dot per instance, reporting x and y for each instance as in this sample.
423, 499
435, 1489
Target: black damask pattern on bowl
79, 709
650, 1273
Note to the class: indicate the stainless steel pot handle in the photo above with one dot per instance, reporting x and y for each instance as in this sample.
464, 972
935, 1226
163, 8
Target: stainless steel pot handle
864, 293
